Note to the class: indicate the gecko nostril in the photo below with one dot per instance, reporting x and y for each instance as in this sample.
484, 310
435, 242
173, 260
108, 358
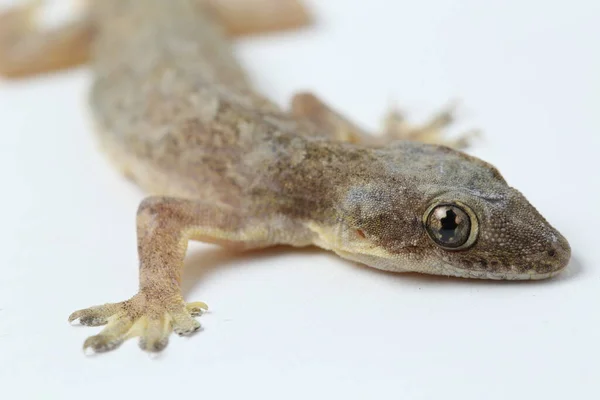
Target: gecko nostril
552, 253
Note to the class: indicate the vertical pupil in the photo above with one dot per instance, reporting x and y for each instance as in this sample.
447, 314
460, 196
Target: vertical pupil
449, 226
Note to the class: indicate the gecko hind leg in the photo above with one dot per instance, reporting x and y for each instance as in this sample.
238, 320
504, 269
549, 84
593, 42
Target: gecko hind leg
248, 17
27, 49
433, 131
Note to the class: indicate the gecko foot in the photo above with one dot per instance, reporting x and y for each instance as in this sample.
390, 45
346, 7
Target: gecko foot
432, 131
152, 318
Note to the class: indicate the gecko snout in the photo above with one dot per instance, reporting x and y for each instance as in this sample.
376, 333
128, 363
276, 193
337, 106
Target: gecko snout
540, 251
555, 258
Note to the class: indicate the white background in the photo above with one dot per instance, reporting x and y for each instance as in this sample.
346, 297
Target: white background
305, 324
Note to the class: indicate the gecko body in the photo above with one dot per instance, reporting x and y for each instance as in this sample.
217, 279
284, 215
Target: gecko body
225, 165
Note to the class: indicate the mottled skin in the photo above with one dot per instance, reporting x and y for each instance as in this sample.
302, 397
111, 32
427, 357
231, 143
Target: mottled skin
177, 114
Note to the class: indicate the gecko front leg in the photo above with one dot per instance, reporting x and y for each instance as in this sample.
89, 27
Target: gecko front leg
433, 131
305, 105
164, 226
27, 48
396, 127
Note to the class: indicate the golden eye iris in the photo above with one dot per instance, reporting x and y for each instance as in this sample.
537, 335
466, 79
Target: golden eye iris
449, 226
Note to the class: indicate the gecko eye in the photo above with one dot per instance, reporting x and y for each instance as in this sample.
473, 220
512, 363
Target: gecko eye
451, 226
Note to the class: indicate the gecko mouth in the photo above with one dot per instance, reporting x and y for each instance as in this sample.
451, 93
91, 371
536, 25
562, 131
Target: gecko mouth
442, 268
542, 265
505, 276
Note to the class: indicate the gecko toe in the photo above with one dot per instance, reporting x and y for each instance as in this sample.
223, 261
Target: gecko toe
155, 336
101, 343
184, 324
94, 316
111, 336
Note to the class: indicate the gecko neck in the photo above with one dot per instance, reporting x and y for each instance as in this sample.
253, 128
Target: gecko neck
309, 175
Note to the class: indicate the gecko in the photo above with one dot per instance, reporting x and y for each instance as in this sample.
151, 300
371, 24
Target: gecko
221, 163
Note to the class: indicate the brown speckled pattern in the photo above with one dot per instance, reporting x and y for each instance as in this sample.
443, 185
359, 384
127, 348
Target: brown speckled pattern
176, 113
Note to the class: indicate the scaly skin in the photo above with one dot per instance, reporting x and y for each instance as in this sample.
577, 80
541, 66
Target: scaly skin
176, 113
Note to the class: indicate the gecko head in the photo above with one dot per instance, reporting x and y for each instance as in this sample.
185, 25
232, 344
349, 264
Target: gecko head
455, 216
